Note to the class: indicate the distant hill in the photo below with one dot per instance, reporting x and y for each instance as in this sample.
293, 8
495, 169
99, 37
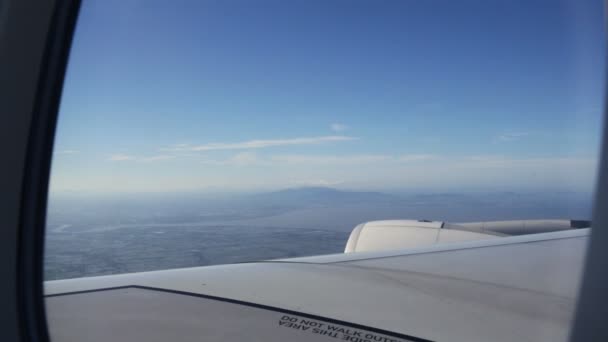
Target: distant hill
306, 196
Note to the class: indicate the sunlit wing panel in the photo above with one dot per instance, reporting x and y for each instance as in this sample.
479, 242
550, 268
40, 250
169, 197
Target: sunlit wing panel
509, 289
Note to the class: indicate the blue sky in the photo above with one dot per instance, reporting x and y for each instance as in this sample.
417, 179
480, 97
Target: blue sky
245, 95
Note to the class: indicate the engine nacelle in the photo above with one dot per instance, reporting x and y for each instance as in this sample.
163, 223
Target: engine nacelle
400, 234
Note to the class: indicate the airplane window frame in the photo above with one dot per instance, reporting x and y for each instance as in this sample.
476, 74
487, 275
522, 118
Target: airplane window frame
51, 25
35, 37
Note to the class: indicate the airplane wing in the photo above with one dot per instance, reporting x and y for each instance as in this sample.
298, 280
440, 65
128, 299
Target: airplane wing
491, 287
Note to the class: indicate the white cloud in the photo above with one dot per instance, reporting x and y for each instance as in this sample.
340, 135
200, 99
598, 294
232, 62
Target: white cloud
239, 159
317, 182
338, 127
67, 152
514, 136
351, 159
250, 158
256, 144
120, 157
320, 159
547, 164
416, 157
243, 159
362, 171
155, 158
126, 157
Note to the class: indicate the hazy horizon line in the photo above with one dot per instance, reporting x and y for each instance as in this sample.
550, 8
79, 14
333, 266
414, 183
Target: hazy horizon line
387, 190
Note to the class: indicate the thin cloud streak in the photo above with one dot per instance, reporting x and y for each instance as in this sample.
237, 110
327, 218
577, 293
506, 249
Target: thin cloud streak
239, 159
316, 159
155, 158
373, 171
125, 157
317, 182
257, 144
338, 127
250, 158
67, 152
353, 159
509, 137
120, 157
417, 157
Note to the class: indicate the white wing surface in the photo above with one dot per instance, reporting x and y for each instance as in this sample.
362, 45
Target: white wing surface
515, 288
